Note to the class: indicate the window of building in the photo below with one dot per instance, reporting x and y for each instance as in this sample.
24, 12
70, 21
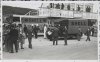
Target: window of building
68, 7
62, 6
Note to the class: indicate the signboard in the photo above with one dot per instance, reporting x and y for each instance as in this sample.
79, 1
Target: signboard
67, 14
51, 12
55, 13
78, 14
44, 12
90, 15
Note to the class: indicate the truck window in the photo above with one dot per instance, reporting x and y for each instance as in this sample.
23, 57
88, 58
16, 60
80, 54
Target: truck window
84, 23
72, 23
79, 23
75, 23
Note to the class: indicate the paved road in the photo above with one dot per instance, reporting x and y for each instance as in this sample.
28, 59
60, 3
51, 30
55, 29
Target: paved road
43, 49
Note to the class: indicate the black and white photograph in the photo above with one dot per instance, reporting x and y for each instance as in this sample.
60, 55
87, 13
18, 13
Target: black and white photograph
49, 61
50, 0
50, 30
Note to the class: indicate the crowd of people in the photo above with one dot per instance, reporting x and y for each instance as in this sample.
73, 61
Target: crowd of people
15, 35
53, 34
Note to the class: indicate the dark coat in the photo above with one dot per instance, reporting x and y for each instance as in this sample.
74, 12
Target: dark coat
25, 29
79, 32
29, 33
35, 29
88, 32
65, 33
13, 34
55, 32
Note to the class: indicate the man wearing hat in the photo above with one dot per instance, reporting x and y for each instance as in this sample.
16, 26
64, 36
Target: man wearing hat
13, 38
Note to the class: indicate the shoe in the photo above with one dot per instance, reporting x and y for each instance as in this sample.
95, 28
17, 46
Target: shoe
16, 51
65, 44
30, 47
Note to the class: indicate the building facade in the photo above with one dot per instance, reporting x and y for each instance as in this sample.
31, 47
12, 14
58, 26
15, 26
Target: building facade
69, 10
49, 14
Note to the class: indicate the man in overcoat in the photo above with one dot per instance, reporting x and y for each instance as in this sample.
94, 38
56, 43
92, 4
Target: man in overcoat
25, 30
13, 36
55, 35
88, 34
35, 30
65, 34
79, 34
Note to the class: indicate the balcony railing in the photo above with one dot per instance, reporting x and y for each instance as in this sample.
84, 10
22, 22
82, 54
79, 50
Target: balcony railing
90, 15
66, 14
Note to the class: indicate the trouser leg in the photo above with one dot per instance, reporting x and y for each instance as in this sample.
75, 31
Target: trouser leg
16, 46
65, 40
92, 33
89, 38
26, 34
36, 35
30, 44
21, 45
11, 47
56, 42
53, 42
18, 42
78, 38
7, 48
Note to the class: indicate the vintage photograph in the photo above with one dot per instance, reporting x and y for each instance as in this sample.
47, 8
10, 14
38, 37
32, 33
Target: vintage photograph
49, 61
50, 31
50, 0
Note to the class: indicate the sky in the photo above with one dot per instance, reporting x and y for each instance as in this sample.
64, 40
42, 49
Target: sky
31, 5
34, 4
